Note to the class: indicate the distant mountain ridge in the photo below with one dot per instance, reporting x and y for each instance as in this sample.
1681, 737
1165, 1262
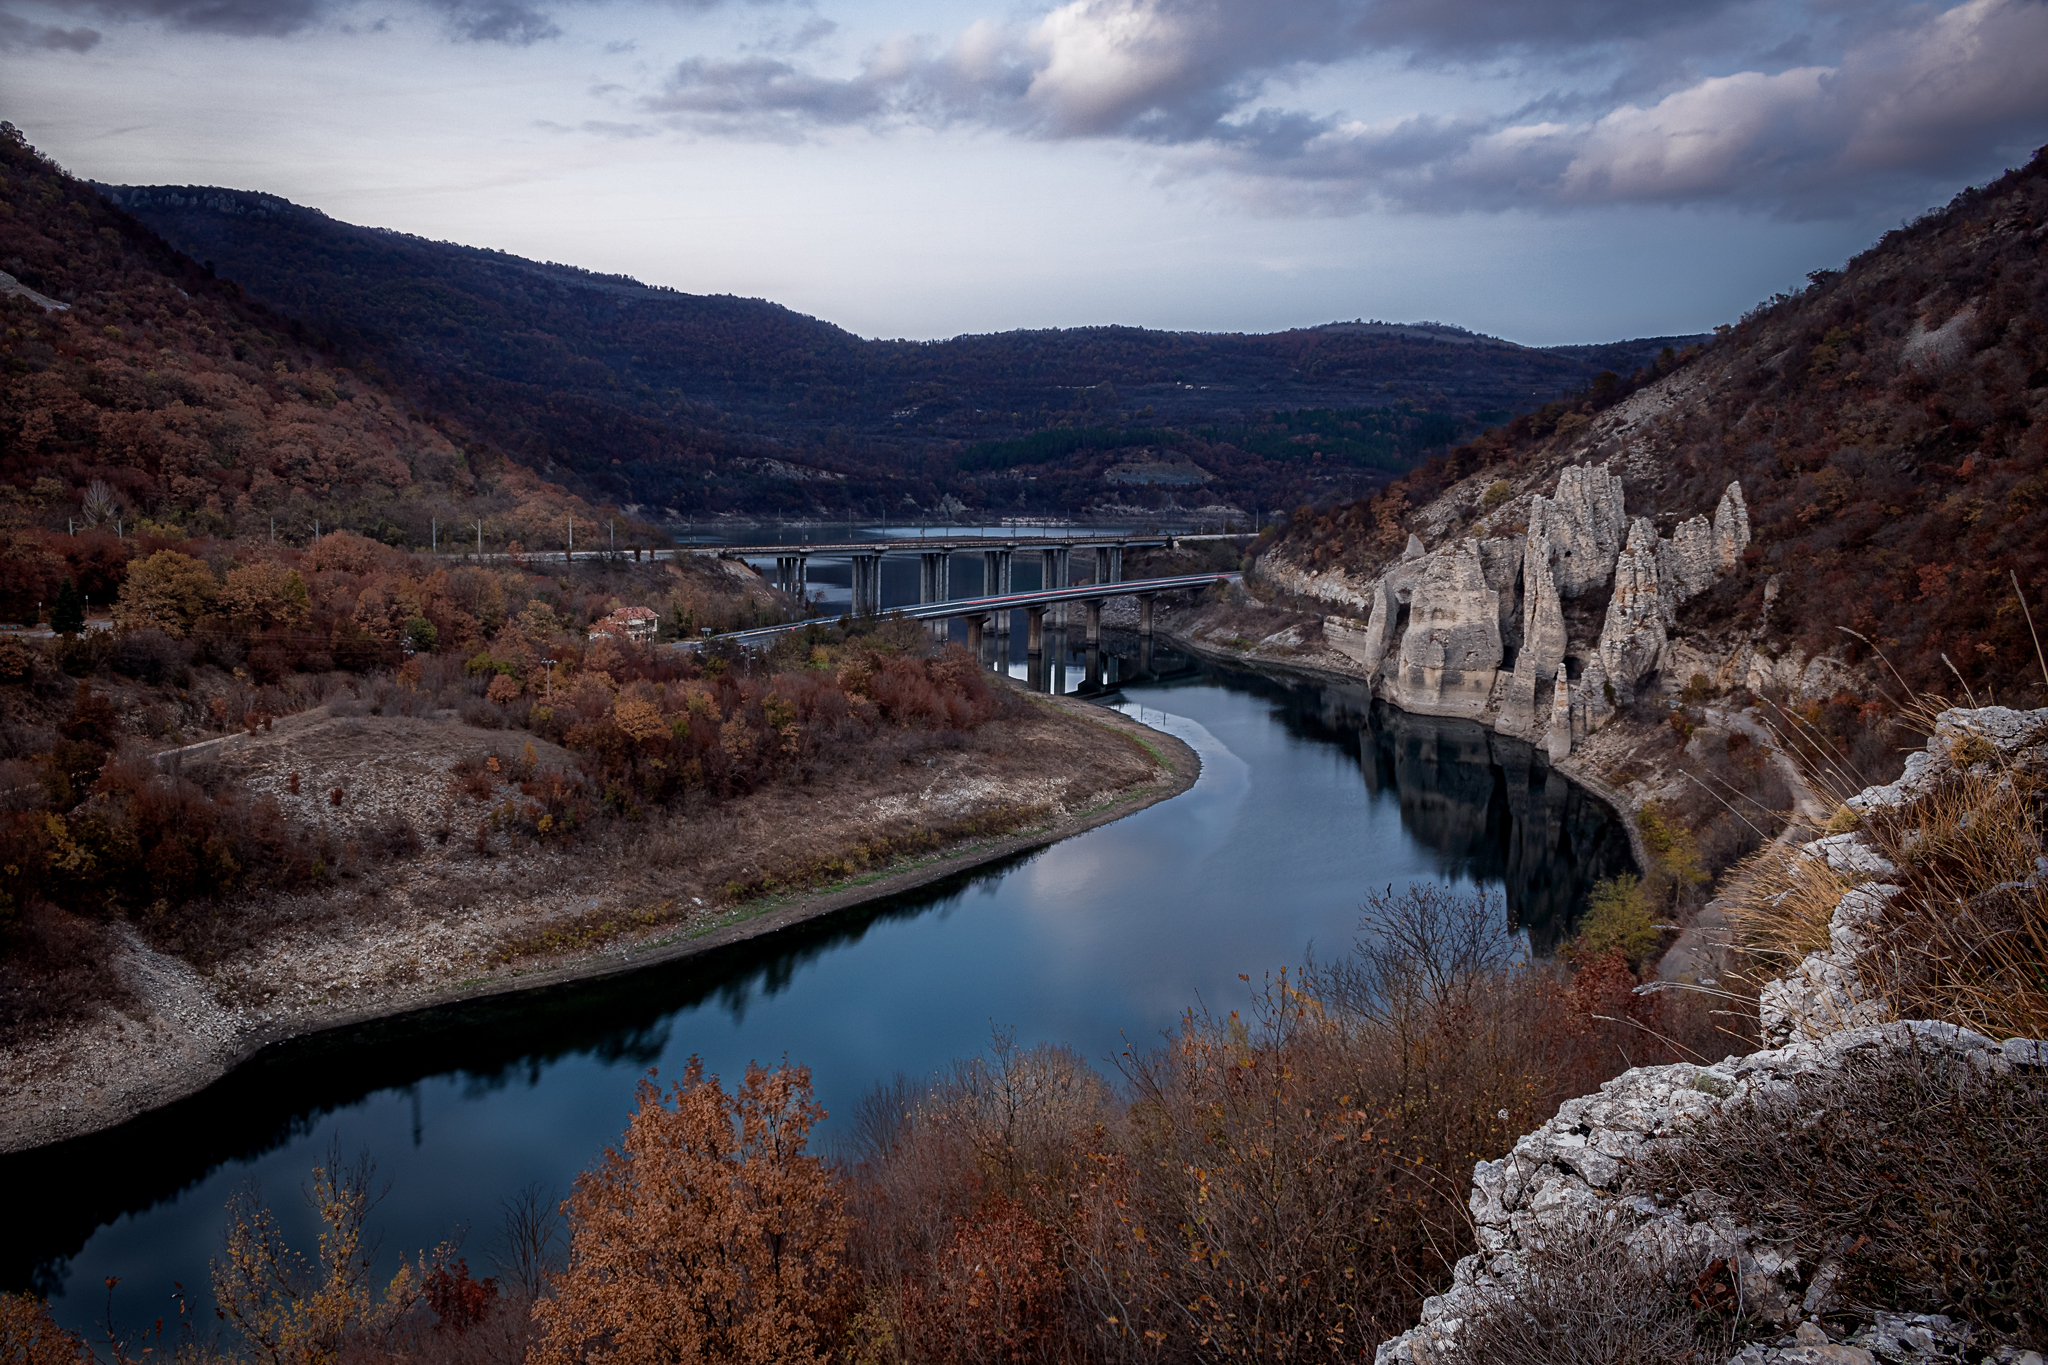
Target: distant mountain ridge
650, 396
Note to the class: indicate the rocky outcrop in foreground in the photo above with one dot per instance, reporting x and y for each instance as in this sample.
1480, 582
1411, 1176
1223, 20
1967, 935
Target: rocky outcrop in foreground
1576, 1172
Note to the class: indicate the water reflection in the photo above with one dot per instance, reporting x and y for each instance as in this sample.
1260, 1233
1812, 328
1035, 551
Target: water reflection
1310, 796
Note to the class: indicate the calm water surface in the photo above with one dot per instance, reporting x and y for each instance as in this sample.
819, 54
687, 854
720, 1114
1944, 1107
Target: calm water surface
1309, 797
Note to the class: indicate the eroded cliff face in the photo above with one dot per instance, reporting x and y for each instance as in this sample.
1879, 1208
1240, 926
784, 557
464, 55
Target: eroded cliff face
1478, 626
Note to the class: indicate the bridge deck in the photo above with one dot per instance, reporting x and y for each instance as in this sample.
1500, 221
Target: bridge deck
972, 606
950, 545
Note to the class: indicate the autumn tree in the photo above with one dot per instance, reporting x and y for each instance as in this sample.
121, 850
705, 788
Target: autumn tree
30, 1336
263, 596
168, 590
296, 1311
709, 1235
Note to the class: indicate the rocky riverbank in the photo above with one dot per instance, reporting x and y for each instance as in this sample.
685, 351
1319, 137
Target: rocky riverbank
451, 924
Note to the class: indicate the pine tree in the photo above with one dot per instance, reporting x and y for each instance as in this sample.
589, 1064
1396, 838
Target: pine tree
67, 613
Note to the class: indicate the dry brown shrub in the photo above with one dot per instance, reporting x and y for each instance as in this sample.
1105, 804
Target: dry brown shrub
709, 1235
1915, 1170
1588, 1302
1780, 902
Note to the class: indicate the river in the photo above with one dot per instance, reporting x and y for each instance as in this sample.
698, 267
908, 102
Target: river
1310, 796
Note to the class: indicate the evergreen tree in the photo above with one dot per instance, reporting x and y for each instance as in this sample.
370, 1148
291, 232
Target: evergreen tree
67, 613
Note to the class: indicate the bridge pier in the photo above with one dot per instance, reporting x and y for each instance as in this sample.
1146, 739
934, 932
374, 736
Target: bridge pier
1109, 564
934, 582
792, 575
1145, 616
1094, 619
1053, 574
995, 573
974, 635
1034, 633
867, 583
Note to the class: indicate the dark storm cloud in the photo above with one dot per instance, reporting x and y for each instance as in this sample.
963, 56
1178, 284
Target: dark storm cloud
481, 21
1469, 28
244, 18
19, 34
497, 21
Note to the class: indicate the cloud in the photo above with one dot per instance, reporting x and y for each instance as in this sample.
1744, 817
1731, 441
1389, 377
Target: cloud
497, 21
1476, 28
1904, 100
1157, 70
19, 34
246, 18
1805, 142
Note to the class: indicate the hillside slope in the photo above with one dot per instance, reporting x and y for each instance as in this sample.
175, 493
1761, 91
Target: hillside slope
1888, 430
140, 395
655, 396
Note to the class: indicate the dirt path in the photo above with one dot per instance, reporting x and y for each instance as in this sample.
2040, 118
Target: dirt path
451, 924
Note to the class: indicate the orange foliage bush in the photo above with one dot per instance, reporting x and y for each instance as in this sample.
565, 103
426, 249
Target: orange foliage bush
709, 1236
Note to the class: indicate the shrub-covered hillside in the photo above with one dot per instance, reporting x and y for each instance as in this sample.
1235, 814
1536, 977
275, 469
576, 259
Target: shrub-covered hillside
158, 403
1889, 426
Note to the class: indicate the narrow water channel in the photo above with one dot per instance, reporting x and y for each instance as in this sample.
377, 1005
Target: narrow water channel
1309, 797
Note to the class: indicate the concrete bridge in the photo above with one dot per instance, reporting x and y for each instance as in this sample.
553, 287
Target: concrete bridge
935, 560
996, 608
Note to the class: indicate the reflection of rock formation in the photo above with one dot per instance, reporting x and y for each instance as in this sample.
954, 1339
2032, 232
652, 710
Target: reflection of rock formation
1443, 624
1493, 809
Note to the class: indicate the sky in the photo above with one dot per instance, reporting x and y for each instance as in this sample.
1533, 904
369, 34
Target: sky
1549, 171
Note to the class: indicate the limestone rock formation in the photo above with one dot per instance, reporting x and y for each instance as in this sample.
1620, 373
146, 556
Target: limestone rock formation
1688, 563
1441, 623
1731, 528
1452, 645
1632, 640
1573, 1173
1541, 654
1584, 526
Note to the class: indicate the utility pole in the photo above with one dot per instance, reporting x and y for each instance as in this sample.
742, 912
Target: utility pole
434, 534
570, 557
479, 537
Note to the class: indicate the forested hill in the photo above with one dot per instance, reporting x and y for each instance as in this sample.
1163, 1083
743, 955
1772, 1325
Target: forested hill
143, 401
1888, 424
652, 396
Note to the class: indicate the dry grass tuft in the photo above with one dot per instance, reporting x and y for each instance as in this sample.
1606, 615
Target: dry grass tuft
1780, 902
1968, 941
